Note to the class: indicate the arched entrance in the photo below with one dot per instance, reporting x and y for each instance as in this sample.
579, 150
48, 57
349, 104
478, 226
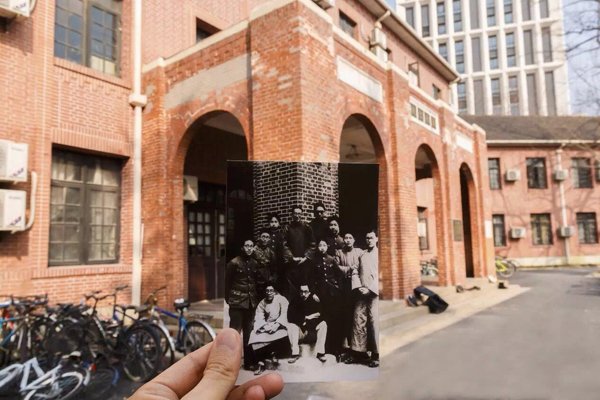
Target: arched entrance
429, 214
360, 143
214, 138
467, 195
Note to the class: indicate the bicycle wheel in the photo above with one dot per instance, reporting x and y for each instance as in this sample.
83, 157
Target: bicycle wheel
196, 335
65, 386
507, 270
8, 379
37, 335
167, 357
142, 353
102, 383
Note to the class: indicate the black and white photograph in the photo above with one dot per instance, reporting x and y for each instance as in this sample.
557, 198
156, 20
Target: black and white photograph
301, 280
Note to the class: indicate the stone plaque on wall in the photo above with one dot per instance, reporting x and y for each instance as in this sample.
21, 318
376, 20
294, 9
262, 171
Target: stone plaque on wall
457, 230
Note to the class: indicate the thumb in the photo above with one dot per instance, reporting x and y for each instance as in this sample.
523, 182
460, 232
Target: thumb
221, 369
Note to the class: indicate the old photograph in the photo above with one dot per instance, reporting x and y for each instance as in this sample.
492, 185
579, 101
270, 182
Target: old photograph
301, 280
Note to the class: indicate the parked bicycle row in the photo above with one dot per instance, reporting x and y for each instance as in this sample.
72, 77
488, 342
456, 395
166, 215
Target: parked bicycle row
52, 350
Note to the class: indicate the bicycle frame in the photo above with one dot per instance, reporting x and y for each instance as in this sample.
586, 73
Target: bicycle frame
181, 323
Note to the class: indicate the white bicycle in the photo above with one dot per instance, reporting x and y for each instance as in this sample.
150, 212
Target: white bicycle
62, 382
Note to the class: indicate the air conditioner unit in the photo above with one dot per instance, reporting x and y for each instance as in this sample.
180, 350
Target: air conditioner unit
513, 175
14, 8
566, 231
421, 229
13, 161
561, 174
378, 38
190, 188
325, 4
517, 233
12, 210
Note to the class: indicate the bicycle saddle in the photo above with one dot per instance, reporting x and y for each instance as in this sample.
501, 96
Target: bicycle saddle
181, 304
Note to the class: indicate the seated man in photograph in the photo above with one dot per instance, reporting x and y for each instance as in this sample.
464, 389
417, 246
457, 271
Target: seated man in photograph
304, 316
269, 337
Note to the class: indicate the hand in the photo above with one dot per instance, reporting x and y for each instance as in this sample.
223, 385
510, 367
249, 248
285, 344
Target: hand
363, 290
210, 373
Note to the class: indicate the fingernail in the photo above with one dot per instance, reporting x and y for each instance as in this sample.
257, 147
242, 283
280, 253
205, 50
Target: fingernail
228, 338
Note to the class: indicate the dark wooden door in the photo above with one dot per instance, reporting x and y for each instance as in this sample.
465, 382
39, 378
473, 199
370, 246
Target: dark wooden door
206, 243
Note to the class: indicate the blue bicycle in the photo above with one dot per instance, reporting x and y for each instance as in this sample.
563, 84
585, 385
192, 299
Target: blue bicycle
193, 332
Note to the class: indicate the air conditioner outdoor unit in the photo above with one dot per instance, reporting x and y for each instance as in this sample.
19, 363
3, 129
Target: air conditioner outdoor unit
561, 174
513, 175
517, 233
190, 188
325, 4
14, 8
13, 161
421, 229
566, 231
378, 38
12, 210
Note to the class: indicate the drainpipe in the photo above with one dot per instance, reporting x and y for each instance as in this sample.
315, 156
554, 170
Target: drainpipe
137, 100
563, 205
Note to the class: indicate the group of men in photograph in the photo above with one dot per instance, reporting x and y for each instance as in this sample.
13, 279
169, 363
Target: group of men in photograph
305, 282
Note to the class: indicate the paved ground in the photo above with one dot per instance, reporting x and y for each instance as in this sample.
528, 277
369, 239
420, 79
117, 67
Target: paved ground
543, 344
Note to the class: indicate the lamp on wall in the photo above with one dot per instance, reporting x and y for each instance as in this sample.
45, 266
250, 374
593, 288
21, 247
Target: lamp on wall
353, 154
413, 73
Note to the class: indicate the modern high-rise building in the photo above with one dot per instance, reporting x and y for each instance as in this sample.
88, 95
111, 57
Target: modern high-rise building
510, 53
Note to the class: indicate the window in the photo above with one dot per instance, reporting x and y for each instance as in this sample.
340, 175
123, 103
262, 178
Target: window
528, 43
513, 94
494, 173
499, 230
493, 49
457, 11
474, 11
511, 58
425, 31
441, 18
532, 94
582, 172
84, 209
541, 229
496, 96
462, 97
410, 16
204, 30
423, 236
526, 9
423, 116
536, 173
88, 33
476, 50
443, 50
491, 12
347, 24
547, 44
586, 228
479, 96
550, 95
436, 92
508, 11
459, 55
544, 11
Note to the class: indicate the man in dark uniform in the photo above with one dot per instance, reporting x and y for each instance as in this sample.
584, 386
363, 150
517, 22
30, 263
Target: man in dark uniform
334, 240
265, 257
241, 296
304, 316
319, 224
300, 241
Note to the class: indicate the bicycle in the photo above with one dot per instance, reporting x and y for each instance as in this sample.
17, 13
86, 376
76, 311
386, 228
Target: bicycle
22, 332
505, 267
191, 333
65, 381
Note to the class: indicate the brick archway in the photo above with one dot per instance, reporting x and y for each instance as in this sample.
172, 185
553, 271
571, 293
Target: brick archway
470, 220
426, 159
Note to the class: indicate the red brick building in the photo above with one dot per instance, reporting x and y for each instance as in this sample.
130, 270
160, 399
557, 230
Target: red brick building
545, 188
259, 80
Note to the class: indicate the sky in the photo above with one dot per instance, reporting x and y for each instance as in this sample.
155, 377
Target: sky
581, 24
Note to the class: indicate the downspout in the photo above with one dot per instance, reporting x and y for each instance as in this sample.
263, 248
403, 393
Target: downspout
137, 100
563, 205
